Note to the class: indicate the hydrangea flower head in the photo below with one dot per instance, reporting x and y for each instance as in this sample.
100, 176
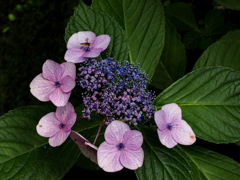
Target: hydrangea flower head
55, 83
84, 45
115, 90
88, 149
171, 128
57, 126
122, 148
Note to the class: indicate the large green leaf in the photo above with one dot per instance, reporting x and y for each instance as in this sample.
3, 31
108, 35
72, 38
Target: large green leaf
87, 19
26, 155
209, 165
225, 52
181, 15
173, 60
113, 7
143, 21
234, 35
230, 4
161, 162
209, 99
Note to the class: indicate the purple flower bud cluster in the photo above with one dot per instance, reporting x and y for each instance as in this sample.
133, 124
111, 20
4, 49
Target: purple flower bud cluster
115, 90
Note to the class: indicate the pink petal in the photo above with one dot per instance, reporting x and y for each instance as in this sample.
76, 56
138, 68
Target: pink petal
69, 121
75, 55
183, 134
88, 149
78, 139
108, 157
115, 131
59, 98
92, 53
67, 84
101, 42
48, 125
173, 113
52, 71
41, 88
81, 37
133, 139
58, 138
166, 139
132, 159
160, 119
62, 112
69, 69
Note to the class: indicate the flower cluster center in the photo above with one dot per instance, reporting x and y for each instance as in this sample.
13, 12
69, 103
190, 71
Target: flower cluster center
62, 126
169, 126
120, 146
116, 90
57, 84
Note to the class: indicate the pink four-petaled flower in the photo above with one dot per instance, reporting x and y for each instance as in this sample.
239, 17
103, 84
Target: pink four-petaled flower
55, 83
122, 148
171, 128
84, 45
57, 126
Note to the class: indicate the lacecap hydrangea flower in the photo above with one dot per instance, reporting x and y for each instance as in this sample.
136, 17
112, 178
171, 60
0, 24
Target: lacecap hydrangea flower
55, 83
121, 148
57, 125
171, 128
84, 45
115, 90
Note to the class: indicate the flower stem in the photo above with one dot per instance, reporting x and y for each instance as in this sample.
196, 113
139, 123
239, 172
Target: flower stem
99, 129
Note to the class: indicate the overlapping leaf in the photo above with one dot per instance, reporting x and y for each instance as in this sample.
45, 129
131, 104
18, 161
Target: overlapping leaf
225, 52
144, 24
230, 4
209, 99
172, 63
209, 165
161, 162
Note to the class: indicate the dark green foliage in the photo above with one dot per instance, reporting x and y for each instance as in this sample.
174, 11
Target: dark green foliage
36, 34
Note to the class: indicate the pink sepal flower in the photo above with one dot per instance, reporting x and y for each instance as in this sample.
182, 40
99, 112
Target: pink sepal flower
84, 45
122, 148
171, 128
55, 83
57, 125
88, 149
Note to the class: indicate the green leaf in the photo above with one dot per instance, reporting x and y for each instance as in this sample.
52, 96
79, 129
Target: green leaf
144, 24
87, 19
229, 4
161, 162
161, 78
209, 99
26, 155
113, 7
222, 53
214, 22
145, 29
173, 60
209, 165
181, 15
233, 35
